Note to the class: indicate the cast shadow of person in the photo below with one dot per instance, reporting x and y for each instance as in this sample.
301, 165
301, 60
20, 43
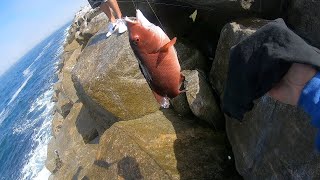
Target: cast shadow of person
128, 169
76, 176
201, 153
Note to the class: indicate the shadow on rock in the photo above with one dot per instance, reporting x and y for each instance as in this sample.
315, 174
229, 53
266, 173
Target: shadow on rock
86, 126
101, 36
200, 152
102, 163
128, 169
97, 38
76, 176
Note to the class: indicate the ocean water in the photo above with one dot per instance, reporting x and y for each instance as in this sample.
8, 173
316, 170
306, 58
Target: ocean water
26, 110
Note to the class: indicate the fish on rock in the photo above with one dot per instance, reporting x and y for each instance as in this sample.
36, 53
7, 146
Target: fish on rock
157, 58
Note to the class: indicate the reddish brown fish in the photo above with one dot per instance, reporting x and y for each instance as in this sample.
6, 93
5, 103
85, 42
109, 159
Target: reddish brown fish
157, 56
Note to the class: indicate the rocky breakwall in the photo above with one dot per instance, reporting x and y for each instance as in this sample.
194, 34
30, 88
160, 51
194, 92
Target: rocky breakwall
72, 125
108, 125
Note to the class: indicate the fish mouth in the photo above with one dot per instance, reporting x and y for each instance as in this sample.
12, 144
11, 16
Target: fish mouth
142, 19
132, 20
139, 19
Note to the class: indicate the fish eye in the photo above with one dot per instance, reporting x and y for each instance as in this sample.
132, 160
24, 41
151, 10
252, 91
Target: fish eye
135, 40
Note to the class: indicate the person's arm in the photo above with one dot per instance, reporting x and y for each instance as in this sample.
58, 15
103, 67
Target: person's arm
301, 86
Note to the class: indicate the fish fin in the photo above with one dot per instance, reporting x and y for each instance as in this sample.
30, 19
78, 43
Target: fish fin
165, 47
161, 57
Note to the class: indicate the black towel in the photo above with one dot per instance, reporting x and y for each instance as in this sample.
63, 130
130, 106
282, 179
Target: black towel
260, 61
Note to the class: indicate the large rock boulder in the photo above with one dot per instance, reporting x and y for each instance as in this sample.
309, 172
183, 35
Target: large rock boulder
160, 146
73, 147
56, 124
304, 19
190, 58
80, 21
90, 27
68, 88
201, 99
63, 105
231, 34
66, 80
72, 46
94, 24
70, 61
275, 141
107, 72
180, 105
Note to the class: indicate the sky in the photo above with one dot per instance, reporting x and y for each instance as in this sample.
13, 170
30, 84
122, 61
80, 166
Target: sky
23, 24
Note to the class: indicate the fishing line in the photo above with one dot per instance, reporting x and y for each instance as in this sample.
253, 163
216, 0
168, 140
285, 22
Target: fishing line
135, 6
155, 15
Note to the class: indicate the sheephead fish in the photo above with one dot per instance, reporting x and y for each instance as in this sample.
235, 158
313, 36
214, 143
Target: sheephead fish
157, 58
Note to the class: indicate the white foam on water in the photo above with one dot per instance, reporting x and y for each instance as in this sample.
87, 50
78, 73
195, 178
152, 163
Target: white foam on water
41, 101
43, 174
58, 53
36, 158
26, 72
34, 167
20, 88
44, 101
3, 115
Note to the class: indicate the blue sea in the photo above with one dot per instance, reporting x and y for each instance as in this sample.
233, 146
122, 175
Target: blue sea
26, 110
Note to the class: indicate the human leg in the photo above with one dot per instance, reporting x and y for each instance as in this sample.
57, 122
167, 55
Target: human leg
106, 9
107, 6
113, 4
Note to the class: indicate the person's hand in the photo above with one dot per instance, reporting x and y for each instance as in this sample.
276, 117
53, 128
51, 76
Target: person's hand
288, 90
